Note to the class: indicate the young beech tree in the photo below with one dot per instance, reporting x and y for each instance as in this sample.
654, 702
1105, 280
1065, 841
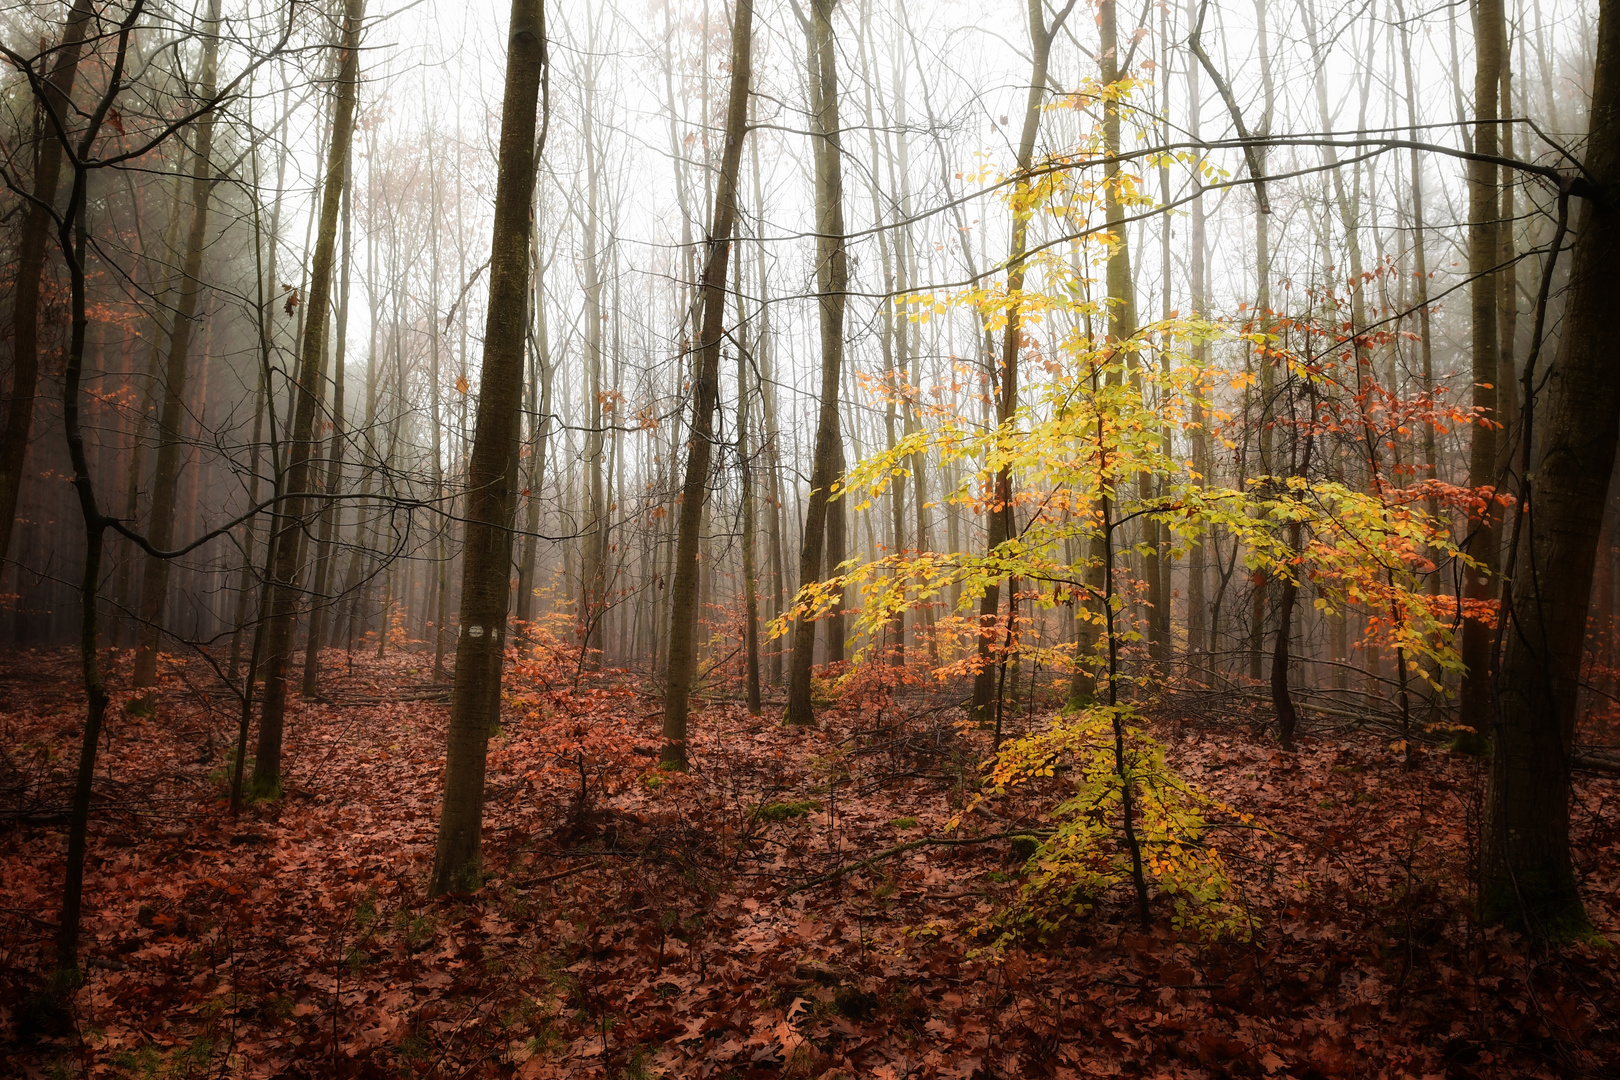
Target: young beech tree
475, 704
1088, 432
706, 395
1094, 422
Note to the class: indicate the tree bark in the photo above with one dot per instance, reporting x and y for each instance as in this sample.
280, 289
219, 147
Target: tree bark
158, 329
485, 575
539, 427
71, 236
1198, 435
1528, 877
171, 444
1474, 706
593, 595
999, 518
832, 276
706, 395
1420, 265
36, 234
770, 425
745, 466
289, 520
333, 484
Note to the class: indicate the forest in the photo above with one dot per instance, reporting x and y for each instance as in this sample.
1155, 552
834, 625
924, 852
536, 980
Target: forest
809, 538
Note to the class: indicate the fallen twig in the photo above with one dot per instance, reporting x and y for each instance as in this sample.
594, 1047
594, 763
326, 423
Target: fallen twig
927, 841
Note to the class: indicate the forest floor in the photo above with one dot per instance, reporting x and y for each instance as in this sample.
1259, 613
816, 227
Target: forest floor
635, 924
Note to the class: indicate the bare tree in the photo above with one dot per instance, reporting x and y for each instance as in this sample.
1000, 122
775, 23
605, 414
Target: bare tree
171, 436
287, 533
491, 471
1528, 878
705, 397
832, 279
1474, 701
57, 95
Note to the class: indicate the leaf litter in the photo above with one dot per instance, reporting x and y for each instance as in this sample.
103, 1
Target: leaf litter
737, 922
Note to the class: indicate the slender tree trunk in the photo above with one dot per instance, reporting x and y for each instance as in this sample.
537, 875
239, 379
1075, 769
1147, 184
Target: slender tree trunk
1474, 702
594, 581
357, 581
333, 486
1507, 280
1160, 582
706, 396
158, 329
1121, 327
487, 554
892, 323
837, 551
745, 465
71, 236
1420, 267
765, 353
437, 582
540, 425
244, 583
287, 533
832, 276
95, 526
906, 359
1000, 515
1262, 304
171, 444
1198, 435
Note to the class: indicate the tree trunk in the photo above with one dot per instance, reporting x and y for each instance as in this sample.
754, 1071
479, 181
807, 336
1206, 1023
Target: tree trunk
891, 323
593, 594
1420, 265
487, 555
1282, 701
71, 236
745, 466
832, 276
333, 485
36, 234
1528, 878
1198, 435
539, 426
907, 278
137, 454
1507, 280
706, 395
999, 524
95, 526
171, 445
770, 429
1474, 706
1161, 581
837, 551
289, 524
